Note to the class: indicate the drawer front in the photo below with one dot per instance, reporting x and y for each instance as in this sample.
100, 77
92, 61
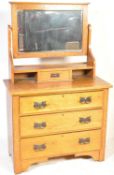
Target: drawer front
55, 103
60, 123
56, 75
64, 144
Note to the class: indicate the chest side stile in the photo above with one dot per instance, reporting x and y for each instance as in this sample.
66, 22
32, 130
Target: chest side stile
16, 134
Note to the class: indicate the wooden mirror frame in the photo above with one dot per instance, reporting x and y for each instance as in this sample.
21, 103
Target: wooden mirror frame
15, 6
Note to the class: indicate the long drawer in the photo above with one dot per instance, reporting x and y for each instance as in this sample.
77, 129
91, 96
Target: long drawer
53, 103
60, 122
64, 144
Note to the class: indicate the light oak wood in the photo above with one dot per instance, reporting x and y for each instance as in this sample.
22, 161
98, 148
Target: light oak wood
48, 6
61, 128
9, 124
60, 144
60, 123
90, 57
15, 70
11, 64
48, 67
104, 121
47, 118
93, 154
16, 135
55, 75
42, 72
56, 103
82, 84
87, 70
28, 162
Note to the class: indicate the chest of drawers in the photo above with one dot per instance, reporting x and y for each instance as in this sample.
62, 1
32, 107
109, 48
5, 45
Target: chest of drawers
48, 121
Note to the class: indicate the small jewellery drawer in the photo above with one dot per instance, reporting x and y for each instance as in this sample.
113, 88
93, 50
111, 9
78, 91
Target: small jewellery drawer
60, 123
55, 75
60, 102
56, 145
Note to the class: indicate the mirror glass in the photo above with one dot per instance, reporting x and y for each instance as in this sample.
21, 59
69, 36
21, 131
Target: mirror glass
45, 30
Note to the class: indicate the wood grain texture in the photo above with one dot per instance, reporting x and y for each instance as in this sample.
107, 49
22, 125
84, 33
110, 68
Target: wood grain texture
48, 6
62, 131
55, 75
79, 85
11, 64
16, 135
93, 154
9, 124
13, 45
60, 123
62, 144
58, 102
18, 71
54, 119
104, 124
48, 67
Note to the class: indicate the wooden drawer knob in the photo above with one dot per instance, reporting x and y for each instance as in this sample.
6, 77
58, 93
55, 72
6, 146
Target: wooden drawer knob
38, 147
39, 105
40, 125
83, 141
85, 100
85, 120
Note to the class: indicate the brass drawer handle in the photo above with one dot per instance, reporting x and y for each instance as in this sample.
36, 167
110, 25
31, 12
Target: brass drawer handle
88, 100
40, 125
85, 120
56, 75
41, 147
39, 105
83, 141
85, 100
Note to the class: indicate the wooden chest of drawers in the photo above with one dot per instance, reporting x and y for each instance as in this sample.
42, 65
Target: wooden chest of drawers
53, 120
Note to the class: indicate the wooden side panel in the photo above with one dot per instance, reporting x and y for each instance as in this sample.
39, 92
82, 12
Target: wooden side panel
104, 122
16, 136
9, 122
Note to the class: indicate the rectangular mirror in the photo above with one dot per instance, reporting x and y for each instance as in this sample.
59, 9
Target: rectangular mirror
49, 30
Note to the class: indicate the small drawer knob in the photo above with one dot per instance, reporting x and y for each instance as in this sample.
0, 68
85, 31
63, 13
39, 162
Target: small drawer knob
38, 147
83, 141
40, 125
85, 120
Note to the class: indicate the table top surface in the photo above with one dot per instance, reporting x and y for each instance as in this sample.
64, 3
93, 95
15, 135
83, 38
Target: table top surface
78, 85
